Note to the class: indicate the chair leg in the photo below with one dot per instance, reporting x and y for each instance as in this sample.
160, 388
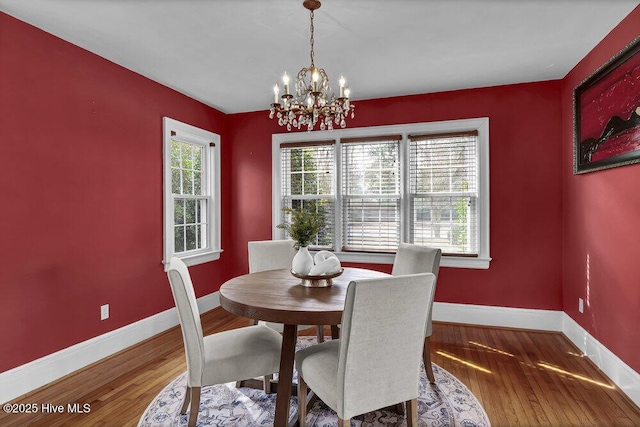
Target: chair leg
195, 406
335, 332
266, 386
320, 333
412, 412
344, 423
302, 401
426, 357
187, 398
400, 409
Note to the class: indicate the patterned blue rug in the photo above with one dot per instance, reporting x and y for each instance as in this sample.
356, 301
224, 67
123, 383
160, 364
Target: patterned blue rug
449, 403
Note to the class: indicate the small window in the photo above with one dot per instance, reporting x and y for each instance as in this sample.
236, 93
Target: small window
191, 193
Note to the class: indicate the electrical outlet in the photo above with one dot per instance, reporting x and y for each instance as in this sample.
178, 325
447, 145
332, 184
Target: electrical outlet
104, 312
580, 305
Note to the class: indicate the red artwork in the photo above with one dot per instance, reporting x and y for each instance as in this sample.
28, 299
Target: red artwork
609, 114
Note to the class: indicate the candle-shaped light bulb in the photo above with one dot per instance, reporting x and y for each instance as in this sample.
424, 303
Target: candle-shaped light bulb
347, 91
342, 81
276, 91
315, 77
285, 80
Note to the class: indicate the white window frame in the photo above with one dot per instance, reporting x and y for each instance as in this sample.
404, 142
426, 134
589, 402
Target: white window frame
173, 129
481, 125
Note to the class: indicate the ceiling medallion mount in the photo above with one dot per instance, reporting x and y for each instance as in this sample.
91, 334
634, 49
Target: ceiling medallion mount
312, 100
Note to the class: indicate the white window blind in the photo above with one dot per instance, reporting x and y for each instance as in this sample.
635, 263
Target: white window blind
370, 194
443, 175
308, 175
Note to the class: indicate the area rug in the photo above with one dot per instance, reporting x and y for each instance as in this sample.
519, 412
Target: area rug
449, 403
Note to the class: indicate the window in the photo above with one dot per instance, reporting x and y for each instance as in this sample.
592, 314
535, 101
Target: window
191, 193
370, 194
423, 183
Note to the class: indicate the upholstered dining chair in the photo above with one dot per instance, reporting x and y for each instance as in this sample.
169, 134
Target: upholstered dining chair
274, 255
233, 355
376, 361
413, 259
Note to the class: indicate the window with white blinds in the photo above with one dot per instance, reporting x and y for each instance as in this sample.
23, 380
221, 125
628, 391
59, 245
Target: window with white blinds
370, 194
423, 183
308, 175
443, 192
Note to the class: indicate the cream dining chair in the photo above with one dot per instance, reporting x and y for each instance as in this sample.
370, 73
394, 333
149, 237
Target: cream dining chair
413, 259
233, 355
274, 255
376, 361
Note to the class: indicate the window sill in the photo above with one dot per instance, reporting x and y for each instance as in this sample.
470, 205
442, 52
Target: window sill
195, 259
445, 261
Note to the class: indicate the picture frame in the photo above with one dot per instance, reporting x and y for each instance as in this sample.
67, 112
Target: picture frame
606, 109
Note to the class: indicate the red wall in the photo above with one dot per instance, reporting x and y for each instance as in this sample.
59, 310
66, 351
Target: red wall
81, 217
525, 180
601, 226
81, 185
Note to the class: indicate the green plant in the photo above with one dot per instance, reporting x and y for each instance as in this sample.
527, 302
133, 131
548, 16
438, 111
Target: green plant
304, 224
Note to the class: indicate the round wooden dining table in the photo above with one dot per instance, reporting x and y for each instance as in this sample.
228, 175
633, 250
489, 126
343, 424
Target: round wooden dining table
277, 296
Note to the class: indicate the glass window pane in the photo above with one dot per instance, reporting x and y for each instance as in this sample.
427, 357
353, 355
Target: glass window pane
178, 239
178, 211
310, 183
445, 222
296, 183
187, 182
296, 160
197, 183
187, 156
190, 212
198, 152
176, 181
175, 154
191, 237
371, 224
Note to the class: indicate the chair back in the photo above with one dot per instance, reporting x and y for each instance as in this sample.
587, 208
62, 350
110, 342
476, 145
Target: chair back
414, 259
187, 306
270, 255
381, 342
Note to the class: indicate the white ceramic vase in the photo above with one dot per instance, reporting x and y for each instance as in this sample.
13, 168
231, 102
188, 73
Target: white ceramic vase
302, 261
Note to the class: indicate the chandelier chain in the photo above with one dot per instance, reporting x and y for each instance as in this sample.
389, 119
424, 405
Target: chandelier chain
311, 39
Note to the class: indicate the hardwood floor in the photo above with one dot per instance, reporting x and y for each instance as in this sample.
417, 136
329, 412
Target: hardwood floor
522, 378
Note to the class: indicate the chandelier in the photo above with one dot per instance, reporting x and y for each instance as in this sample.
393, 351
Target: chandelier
312, 100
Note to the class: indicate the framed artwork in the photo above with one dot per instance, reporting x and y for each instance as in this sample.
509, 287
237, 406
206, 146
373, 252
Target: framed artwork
607, 114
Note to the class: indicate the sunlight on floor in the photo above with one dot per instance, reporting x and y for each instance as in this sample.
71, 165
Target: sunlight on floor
464, 362
495, 350
572, 375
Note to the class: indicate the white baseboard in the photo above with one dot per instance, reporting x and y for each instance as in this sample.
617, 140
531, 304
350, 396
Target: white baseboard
506, 317
627, 379
30, 376
618, 372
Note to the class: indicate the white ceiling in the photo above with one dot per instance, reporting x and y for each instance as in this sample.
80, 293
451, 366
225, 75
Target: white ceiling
229, 53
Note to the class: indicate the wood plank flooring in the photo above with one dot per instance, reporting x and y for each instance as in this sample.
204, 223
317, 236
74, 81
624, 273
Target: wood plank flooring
522, 378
